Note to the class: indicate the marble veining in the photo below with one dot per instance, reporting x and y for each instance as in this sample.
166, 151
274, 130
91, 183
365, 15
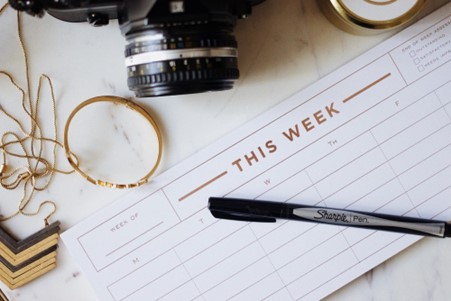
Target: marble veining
284, 46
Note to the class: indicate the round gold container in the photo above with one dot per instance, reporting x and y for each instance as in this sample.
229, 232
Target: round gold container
370, 16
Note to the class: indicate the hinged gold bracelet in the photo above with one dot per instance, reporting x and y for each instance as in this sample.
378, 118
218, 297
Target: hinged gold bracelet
73, 161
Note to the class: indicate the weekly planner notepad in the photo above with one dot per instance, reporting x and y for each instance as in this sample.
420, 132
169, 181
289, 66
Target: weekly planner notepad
374, 135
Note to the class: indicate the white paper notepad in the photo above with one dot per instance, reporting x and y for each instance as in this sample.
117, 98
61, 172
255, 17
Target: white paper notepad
374, 135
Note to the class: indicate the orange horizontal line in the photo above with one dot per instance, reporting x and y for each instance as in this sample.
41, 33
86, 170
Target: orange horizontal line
366, 88
202, 186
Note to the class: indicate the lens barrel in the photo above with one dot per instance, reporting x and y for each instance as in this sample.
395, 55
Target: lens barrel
181, 59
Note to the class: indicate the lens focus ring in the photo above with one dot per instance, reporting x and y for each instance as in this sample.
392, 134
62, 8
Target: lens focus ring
183, 76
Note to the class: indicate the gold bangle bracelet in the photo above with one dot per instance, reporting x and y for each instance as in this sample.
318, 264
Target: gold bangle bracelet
121, 101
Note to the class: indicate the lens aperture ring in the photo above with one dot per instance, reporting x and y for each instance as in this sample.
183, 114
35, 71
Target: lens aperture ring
177, 54
142, 46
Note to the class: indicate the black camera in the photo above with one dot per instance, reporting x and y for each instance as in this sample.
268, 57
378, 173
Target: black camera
173, 46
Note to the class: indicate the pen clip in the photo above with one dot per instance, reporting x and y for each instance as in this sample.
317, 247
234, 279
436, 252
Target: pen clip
241, 216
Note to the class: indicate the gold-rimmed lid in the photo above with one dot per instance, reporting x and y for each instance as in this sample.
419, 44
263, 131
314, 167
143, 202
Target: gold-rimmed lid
370, 16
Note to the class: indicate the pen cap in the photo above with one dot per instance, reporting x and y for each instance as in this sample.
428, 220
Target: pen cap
246, 210
447, 230
367, 17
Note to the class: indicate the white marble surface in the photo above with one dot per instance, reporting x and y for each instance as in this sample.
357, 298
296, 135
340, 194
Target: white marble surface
284, 46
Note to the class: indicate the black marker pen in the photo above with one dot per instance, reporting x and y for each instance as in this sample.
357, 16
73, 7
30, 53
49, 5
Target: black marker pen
265, 211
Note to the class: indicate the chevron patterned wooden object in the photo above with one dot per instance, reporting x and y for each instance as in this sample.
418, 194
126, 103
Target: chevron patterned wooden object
3, 296
22, 261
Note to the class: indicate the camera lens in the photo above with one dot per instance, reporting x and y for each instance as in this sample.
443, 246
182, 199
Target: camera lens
181, 59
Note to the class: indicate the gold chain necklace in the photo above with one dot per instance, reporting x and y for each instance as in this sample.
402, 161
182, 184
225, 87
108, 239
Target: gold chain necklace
37, 172
22, 261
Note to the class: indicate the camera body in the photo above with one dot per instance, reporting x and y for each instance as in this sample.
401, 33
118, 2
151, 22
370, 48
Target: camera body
173, 46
